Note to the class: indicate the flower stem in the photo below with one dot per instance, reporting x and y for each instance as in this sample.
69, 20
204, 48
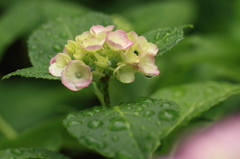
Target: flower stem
104, 89
6, 129
101, 91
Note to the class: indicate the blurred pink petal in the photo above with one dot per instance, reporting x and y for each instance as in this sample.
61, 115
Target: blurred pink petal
118, 40
220, 141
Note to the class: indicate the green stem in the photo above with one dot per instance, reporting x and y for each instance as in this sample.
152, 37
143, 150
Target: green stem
105, 91
98, 93
6, 129
101, 91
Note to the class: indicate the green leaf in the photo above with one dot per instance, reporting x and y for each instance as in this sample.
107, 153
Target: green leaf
129, 131
50, 39
49, 136
166, 38
33, 13
37, 72
23, 153
193, 99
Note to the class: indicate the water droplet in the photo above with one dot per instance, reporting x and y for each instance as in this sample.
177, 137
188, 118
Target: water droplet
115, 138
41, 52
88, 113
138, 109
104, 135
73, 123
150, 135
33, 47
16, 151
136, 113
57, 47
95, 124
63, 35
118, 124
142, 127
123, 155
168, 115
93, 142
98, 109
148, 113
165, 105
28, 72
35, 57
70, 116
158, 123
128, 108
48, 33
31, 150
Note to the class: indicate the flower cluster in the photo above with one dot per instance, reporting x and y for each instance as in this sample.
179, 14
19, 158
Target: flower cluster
103, 52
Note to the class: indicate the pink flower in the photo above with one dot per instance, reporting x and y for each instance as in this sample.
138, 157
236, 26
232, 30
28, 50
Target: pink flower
147, 65
76, 75
126, 72
96, 29
118, 40
220, 141
57, 64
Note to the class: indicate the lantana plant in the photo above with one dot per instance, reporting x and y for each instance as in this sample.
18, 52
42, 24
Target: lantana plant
98, 55
88, 52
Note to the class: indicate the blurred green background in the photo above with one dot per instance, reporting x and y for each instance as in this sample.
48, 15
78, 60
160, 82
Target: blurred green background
210, 51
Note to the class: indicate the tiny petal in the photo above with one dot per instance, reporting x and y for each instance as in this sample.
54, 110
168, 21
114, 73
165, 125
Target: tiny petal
129, 56
147, 66
76, 75
57, 64
125, 73
96, 29
101, 61
118, 40
83, 36
145, 46
70, 46
93, 44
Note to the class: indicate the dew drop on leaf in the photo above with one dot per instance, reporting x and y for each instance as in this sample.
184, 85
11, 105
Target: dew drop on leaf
73, 123
48, 33
148, 113
63, 35
165, 105
70, 116
123, 155
88, 113
93, 142
97, 109
115, 138
138, 109
16, 151
57, 47
95, 124
118, 124
168, 115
